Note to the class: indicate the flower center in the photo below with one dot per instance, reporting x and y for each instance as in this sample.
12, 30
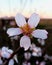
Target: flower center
27, 30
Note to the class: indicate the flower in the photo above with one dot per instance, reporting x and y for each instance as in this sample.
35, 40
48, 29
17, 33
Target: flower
36, 51
6, 53
27, 55
48, 57
28, 29
26, 63
43, 63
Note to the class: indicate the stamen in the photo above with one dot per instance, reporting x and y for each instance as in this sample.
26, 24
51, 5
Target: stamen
27, 29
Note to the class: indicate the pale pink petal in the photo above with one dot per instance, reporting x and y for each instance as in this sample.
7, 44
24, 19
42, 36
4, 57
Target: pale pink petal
27, 55
32, 46
15, 58
5, 54
10, 51
43, 63
34, 54
1, 62
34, 20
37, 51
25, 42
45, 31
4, 49
14, 31
11, 62
39, 34
20, 20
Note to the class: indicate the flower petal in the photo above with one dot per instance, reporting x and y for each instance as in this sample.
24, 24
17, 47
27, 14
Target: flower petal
15, 58
37, 51
20, 20
43, 63
10, 51
27, 55
32, 46
39, 34
5, 54
11, 62
14, 31
25, 42
34, 54
1, 62
4, 49
34, 20
45, 31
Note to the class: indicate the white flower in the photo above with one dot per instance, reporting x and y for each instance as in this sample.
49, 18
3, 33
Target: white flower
43, 63
27, 55
26, 63
47, 57
5, 52
28, 29
36, 51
